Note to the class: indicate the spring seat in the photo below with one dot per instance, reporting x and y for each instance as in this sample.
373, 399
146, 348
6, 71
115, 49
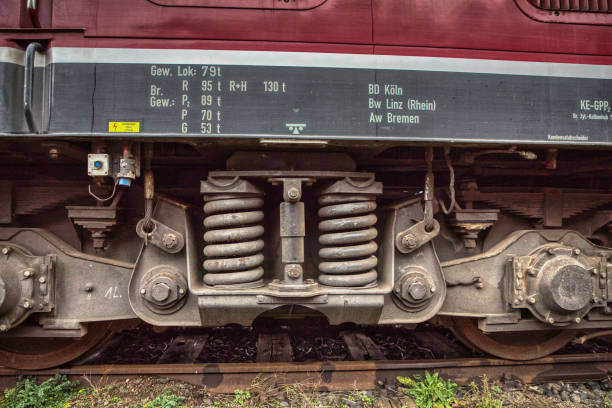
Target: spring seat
348, 230
233, 237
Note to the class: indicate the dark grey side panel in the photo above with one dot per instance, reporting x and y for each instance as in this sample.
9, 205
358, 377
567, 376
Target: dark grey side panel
256, 101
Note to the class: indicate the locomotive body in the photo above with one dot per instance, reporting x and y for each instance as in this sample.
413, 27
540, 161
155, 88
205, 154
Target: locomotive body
324, 138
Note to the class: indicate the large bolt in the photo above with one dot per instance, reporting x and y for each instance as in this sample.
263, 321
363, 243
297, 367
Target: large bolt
577, 320
28, 273
6, 250
577, 251
160, 292
27, 304
294, 271
531, 300
410, 241
170, 241
293, 193
417, 290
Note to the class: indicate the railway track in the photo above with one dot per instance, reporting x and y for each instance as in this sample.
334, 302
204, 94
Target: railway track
340, 375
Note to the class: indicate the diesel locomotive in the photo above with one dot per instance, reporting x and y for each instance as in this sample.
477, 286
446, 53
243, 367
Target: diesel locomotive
376, 162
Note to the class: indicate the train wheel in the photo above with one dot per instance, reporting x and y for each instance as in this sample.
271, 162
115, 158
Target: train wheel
40, 353
510, 345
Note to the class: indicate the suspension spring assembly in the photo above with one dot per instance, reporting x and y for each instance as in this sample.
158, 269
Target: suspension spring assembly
348, 230
234, 231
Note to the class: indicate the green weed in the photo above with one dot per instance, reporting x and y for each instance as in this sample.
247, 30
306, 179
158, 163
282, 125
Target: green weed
608, 400
365, 399
52, 393
241, 398
431, 391
166, 400
482, 396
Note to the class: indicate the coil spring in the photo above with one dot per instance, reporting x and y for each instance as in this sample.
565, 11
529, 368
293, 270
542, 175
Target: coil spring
233, 237
347, 234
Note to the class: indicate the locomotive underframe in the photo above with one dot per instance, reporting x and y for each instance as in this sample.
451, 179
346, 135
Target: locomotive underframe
535, 279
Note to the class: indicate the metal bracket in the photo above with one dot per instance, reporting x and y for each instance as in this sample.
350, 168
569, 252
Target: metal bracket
161, 236
28, 79
416, 236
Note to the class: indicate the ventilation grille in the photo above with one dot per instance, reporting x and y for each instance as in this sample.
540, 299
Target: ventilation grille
592, 6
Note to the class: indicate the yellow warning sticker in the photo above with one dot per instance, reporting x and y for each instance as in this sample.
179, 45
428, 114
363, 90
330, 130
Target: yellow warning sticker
124, 127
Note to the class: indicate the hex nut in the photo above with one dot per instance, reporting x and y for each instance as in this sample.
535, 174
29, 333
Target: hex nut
170, 240
410, 241
417, 290
293, 193
160, 292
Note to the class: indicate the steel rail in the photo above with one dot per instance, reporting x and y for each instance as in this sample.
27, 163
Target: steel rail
341, 375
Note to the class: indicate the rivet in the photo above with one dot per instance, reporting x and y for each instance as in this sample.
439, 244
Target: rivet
27, 304
6, 250
27, 273
550, 320
181, 291
143, 291
42, 279
577, 251
432, 289
531, 300
577, 320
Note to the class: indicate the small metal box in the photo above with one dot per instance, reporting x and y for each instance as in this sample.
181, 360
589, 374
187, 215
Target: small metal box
97, 164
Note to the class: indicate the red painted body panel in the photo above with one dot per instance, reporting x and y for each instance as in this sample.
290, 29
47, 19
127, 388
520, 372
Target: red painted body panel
484, 25
494, 29
335, 21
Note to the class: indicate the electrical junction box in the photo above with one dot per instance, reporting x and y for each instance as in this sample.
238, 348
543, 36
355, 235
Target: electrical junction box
97, 164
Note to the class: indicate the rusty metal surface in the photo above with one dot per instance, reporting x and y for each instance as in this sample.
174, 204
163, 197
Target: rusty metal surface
341, 375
